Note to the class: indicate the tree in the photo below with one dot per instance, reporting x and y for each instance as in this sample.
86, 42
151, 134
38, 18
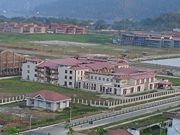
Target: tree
100, 24
11, 131
71, 131
100, 131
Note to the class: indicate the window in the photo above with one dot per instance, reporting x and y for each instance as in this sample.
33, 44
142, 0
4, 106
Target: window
70, 77
95, 77
139, 88
70, 83
119, 86
70, 71
28, 66
65, 83
66, 71
65, 77
132, 90
91, 77
28, 71
115, 85
103, 79
124, 91
48, 104
107, 79
99, 78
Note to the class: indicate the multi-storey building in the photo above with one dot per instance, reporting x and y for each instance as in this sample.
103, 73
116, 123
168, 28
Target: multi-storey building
109, 76
10, 63
171, 40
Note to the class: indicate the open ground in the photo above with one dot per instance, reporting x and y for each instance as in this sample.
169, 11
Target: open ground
58, 45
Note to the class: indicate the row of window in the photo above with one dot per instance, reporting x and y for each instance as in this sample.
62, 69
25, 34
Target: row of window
70, 77
89, 86
99, 78
70, 72
65, 83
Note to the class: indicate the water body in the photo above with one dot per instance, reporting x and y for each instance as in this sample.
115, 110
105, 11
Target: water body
175, 62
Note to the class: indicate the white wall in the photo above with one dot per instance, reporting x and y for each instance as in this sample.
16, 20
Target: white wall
28, 71
70, 77
175, 129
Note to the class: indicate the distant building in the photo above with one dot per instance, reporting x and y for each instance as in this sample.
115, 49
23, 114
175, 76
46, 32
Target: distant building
47, 100
157, 40
11, 63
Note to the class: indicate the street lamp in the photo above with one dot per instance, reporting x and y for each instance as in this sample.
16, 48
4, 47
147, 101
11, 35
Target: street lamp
70, 114
30, 122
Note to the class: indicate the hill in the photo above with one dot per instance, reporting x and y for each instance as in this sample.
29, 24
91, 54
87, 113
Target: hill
108, 9
89, 9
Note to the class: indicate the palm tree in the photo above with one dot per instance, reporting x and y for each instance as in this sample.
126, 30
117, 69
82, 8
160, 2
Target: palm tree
100, 131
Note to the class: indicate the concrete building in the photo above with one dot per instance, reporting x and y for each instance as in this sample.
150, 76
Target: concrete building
158, 40
10, 63
29, 69
47, 100
108, 76
122, 81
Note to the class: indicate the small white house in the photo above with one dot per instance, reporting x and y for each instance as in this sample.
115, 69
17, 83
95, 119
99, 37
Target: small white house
48, 100
174, 126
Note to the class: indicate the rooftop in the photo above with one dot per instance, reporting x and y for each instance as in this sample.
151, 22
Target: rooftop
49, 95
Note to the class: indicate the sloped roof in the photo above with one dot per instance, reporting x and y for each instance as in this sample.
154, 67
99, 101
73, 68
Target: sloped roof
49, 95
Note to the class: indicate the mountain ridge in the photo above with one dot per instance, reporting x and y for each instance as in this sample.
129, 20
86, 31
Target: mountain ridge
89, 9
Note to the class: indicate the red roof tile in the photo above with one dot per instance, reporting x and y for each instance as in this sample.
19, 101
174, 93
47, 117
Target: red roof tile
49, 95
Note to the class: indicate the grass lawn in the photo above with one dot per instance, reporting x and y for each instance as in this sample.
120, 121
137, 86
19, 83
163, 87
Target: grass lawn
175, 81
17, 86
43, 118
90, 38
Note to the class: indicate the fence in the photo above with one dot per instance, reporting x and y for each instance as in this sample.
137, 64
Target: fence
13, 99
174, 102
130, 100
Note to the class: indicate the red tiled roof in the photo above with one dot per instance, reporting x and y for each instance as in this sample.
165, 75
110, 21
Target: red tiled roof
119, 132
49, 64
49, 95
99, 65
53, 64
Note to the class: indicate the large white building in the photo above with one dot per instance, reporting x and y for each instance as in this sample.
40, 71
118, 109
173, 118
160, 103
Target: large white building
109, 76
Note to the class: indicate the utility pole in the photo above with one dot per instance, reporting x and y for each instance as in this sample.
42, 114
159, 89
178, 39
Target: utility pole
30, 122
70, 115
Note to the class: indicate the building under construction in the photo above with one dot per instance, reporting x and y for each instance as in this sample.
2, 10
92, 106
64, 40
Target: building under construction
10, 63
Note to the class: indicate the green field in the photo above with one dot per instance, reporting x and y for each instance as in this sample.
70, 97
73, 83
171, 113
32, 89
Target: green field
16, 86
91, 38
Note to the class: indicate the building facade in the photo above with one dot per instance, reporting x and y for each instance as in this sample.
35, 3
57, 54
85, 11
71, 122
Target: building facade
171, 40
108, 76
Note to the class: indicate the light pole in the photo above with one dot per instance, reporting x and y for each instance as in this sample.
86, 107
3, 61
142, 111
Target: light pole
30, 122
70, 115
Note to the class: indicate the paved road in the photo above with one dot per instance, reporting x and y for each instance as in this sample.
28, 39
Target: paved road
114, 117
